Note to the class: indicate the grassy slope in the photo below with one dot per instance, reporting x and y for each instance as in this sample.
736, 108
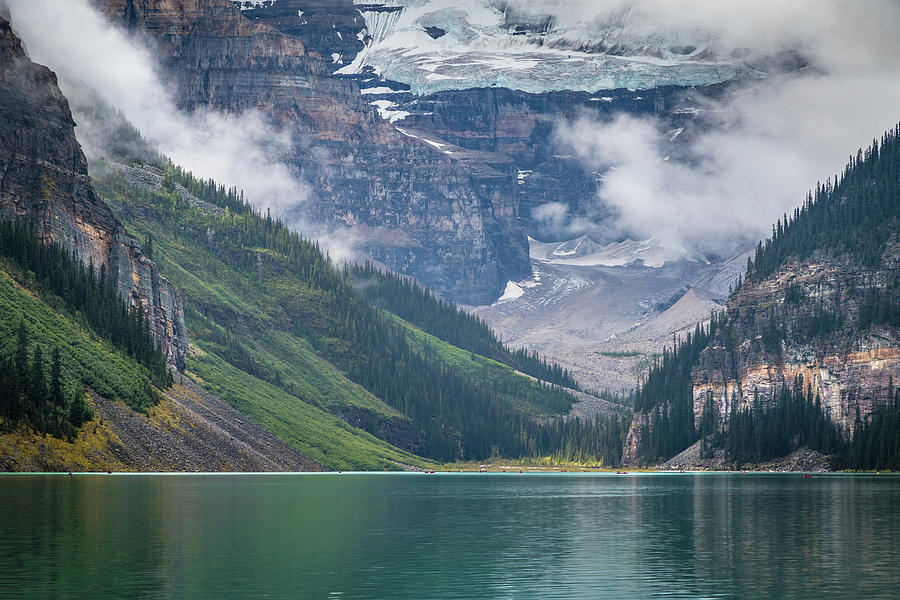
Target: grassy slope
319, 435
254, 305
85, 357
510, 385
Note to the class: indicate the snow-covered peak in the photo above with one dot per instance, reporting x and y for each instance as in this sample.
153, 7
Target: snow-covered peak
434, 45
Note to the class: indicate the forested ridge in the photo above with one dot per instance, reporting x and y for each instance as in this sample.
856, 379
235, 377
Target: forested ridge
444, 319
854, 216
37, 390
255, 275
856, 213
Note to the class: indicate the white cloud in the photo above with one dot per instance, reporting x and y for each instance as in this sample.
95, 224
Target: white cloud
242, 150
780, 136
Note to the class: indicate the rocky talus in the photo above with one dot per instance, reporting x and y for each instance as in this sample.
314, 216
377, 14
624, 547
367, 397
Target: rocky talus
44, 179
189, 430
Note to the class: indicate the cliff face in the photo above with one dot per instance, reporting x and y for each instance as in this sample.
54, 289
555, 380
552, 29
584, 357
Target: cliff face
849, 367
44, 178
413, 206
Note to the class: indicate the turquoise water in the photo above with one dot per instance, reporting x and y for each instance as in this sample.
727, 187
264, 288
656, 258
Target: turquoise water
425, 536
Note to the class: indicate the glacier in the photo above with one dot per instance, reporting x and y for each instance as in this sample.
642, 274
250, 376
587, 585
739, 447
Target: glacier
485, 43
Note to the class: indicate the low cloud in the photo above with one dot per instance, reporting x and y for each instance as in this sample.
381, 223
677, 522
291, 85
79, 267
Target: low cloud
779, 136
88, 53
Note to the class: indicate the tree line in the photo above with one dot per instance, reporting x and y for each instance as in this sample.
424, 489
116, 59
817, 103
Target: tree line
56, 271
789, 418
876, 440
667, 395
37, 396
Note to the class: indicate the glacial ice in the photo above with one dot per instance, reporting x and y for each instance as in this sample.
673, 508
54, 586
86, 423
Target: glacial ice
479, 49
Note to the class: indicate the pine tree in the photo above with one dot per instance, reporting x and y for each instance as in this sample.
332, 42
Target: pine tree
56, 392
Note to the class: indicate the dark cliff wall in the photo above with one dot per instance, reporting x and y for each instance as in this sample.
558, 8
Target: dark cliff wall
44, 178
416, 208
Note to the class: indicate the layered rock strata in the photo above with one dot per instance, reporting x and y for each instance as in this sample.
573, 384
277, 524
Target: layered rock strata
850, 369
44, 179
410, 204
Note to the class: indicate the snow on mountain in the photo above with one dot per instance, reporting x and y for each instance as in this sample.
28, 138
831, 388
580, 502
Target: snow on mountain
585, 252
435, 45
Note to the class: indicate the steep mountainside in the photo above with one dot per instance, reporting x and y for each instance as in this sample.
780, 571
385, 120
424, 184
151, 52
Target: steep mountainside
813, 331
489, 84
414, 207
312, 353
44, 179
282, 334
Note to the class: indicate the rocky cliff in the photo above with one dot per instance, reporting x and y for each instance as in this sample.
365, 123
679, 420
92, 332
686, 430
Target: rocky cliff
802, 321
44, 178
411, 204
508, 132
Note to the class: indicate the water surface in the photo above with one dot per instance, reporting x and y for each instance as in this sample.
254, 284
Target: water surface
419, 536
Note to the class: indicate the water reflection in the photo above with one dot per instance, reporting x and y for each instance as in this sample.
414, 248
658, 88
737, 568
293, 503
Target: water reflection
449, 536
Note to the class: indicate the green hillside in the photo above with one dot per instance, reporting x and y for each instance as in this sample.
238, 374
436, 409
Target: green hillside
63, 330
277, 329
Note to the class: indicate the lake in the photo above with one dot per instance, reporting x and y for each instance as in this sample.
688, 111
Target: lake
468, 535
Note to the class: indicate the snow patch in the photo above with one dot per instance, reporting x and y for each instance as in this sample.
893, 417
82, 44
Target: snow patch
251, 4
385, 112
381, 90
513, 291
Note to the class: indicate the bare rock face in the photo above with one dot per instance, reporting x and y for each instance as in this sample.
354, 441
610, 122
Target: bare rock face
44, 179
851, 369
632, 450
416, 208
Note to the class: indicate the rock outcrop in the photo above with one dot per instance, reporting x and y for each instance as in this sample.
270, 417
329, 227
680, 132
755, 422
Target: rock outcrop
850, 368
44, 179
412, 205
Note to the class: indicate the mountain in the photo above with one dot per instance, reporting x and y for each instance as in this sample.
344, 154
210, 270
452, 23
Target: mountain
45, 181
293, 362
808, 348
410, 205
442, 183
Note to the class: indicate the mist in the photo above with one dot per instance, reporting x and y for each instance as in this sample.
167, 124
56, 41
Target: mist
88, 53
781, 135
